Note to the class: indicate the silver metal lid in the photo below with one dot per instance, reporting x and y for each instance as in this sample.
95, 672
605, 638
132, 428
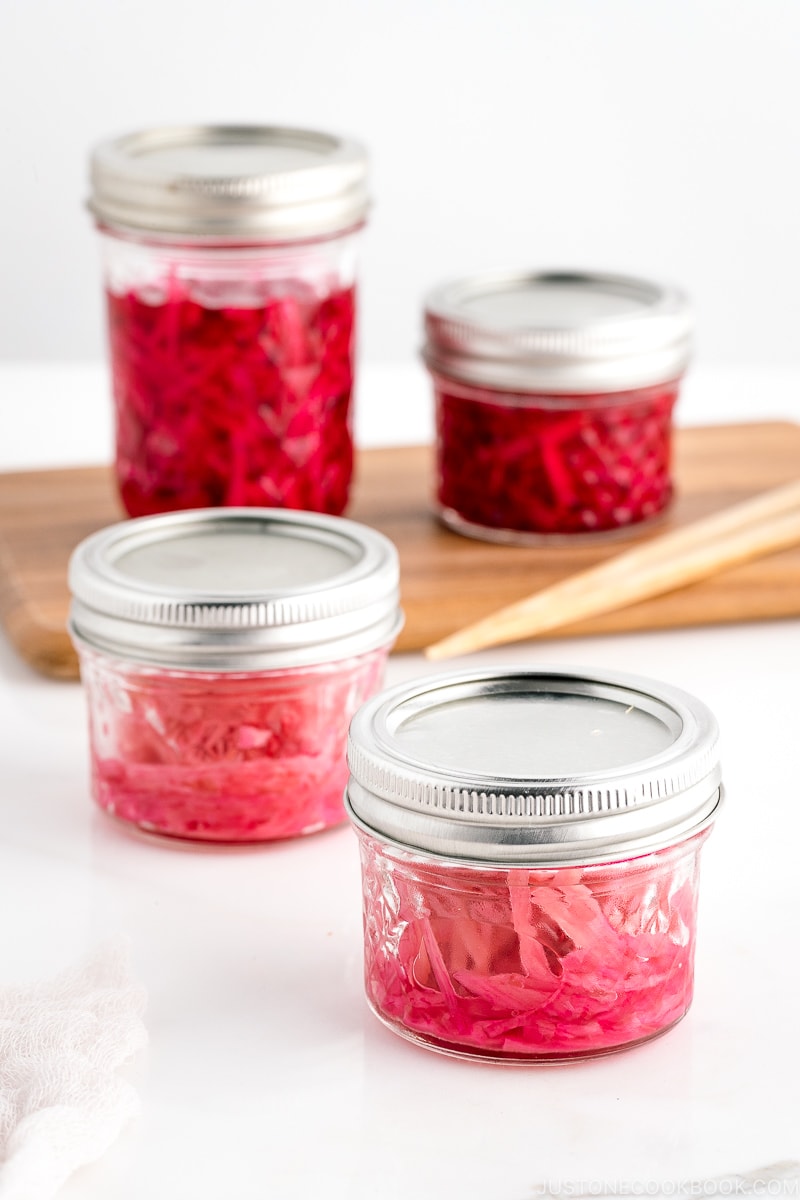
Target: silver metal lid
544, 767
230, 182
557, 332
235, 589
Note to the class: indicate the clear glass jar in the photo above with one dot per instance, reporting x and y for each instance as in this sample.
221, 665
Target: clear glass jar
230, 270
554, 401
569, 962
223, 655
228, 757
530, 848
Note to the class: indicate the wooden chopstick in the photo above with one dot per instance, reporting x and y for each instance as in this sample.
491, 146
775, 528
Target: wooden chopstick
763, 525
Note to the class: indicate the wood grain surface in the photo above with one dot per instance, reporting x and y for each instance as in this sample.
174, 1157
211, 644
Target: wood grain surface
447, 580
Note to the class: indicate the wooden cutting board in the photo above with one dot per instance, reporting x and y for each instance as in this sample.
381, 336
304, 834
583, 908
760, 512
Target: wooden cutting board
447, 580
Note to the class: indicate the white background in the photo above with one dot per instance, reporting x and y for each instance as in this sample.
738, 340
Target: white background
658, 137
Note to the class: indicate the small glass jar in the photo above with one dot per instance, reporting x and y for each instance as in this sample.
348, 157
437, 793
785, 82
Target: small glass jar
530, 847
223, 653
554, 400
230, 270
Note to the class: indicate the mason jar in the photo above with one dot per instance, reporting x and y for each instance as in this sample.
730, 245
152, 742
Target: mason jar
229, 257
530, 846
223, 653
554, 402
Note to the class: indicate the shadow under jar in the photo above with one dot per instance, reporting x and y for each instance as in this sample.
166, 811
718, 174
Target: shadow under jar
554, 400
223, 654
530, 848
229, 257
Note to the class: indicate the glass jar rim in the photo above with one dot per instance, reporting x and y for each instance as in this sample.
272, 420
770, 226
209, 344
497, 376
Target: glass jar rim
435, 860
558, 401
158, 240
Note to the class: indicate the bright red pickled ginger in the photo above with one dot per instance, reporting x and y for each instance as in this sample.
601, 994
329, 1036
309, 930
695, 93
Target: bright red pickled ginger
582, 465
530, 964
233, 405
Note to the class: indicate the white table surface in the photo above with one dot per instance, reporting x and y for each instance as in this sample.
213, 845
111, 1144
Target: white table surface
265, 1074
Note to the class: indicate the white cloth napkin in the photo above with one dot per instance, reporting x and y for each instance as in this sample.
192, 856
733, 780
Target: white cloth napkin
62, 1103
